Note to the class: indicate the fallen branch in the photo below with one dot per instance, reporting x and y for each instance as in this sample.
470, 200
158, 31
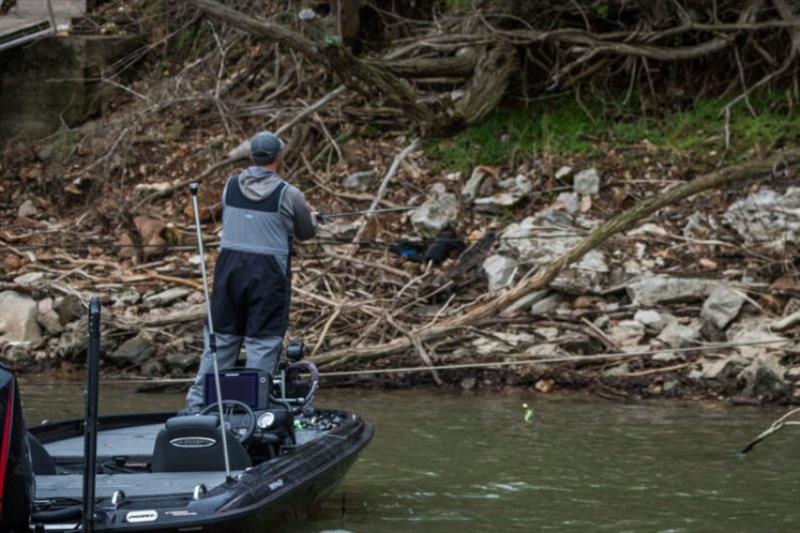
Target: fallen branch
776, 426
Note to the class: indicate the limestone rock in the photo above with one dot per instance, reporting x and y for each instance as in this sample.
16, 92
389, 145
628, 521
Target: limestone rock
436, 213
69, 307
127, 298
182, 359
516, 189
30, 279
767, 218
499, 270
570, 200
563, 172
587, 182
152, 369
548, 304
749, 331
722, 306
719, 370
676, 335
360, 181
547, 235
764, 375
48, 318
652, 320
525, 301
502, 342
135, 350
27, 209
18, 318
74, 341
658, 288
627, 333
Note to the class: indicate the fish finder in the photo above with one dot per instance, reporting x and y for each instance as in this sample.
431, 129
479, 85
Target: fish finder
247, 385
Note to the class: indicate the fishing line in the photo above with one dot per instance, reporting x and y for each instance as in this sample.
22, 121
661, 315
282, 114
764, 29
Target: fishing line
494, 364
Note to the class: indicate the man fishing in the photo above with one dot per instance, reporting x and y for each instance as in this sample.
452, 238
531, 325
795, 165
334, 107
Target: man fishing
261, 216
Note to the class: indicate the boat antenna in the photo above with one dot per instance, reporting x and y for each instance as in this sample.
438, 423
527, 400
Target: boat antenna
212, 341
90, 427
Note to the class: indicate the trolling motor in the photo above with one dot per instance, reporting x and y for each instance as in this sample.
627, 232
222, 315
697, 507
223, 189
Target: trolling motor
16, 470
294, 388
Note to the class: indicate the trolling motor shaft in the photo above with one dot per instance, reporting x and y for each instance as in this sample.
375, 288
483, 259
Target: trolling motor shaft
212, 342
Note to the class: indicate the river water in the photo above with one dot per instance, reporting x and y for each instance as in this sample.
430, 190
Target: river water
452, 463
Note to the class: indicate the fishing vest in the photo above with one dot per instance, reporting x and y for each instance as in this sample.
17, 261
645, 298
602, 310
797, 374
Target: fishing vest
254, 226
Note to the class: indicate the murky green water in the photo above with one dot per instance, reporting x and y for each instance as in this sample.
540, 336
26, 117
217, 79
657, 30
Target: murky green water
453, 463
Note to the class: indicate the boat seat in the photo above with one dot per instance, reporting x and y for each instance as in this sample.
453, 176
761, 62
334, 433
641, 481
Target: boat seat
192, 444
43, 463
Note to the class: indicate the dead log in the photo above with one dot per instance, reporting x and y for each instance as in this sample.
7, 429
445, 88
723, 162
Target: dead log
619, 223
487, 85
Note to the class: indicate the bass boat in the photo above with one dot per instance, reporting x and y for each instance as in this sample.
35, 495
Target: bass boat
263, 456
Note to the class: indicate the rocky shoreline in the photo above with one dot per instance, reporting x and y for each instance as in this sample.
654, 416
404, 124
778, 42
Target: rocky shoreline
664, 334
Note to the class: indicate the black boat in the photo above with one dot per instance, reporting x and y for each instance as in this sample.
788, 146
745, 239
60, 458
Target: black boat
167, 473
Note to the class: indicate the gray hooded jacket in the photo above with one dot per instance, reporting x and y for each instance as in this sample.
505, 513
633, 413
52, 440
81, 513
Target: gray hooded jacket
257, 183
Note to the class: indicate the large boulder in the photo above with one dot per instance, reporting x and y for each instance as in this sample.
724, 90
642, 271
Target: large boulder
539, 239
722, 306
439, 211
767, 218
18, 313
651, 289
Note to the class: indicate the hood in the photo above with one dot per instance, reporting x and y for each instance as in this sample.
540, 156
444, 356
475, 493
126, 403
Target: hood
258, 183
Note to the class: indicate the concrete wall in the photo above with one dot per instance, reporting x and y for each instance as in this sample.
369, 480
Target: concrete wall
49, 83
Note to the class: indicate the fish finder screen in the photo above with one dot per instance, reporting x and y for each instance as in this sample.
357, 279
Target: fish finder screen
242, 386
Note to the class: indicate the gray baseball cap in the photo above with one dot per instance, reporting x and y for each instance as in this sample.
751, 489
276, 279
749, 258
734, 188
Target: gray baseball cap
265, 147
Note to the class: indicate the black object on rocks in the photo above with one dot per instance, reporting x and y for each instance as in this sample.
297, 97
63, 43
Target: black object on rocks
445, 244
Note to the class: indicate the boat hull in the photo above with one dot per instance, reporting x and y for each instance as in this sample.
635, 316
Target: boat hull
260, 499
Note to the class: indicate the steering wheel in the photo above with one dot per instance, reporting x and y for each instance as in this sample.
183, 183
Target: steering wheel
245, 424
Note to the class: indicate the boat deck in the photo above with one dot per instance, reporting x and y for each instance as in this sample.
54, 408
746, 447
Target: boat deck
134, 441
144, 484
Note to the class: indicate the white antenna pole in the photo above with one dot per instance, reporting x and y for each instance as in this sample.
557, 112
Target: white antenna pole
212, 341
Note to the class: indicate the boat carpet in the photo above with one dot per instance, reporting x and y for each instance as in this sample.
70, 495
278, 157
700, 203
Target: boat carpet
134, 441
137, 441
144, 484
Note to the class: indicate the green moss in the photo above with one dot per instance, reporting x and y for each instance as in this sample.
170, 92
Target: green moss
564, 126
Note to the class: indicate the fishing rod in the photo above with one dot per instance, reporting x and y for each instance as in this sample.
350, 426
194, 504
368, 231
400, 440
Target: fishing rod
212, 341
342, 214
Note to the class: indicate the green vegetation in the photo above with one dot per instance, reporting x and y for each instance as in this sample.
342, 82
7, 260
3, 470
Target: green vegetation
565, 126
